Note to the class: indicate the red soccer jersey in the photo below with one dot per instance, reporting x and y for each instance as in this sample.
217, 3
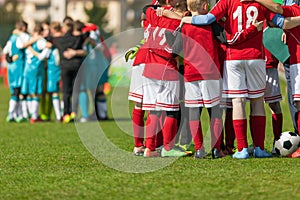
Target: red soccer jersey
239, 16
293, 35
160, 64
201, 61
271, 61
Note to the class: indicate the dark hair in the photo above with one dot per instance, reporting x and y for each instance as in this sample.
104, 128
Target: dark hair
38, 28
68, 19
78, 25
21, 24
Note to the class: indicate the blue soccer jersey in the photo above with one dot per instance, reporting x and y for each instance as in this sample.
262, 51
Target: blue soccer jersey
53, 71
34, 69
15, 68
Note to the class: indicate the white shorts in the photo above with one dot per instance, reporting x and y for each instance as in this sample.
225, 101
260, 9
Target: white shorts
202, 93
136, 84
295, 81
272, 92
160, 95
226, 103
244, 78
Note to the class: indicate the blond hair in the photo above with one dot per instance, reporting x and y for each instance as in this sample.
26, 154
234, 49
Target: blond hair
195, 5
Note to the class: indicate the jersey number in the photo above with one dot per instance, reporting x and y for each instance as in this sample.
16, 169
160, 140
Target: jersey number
251, 14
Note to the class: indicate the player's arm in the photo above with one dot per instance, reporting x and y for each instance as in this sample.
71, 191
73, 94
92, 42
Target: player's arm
42, 55
246, 34
71, 53
199, 19
269, 4
167, 13
291, 22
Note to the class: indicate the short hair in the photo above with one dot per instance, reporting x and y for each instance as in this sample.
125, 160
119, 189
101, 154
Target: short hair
38, 28
68, 19
68, 27
181, 6
55, 25
78, 25
194, 5
162, 2
21, 24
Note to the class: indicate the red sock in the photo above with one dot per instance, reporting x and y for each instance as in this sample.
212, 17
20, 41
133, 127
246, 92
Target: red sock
216, 132
151, 131
258, 127
169, 132
298, 122
229, 130
138, 127
159, 136
196, 131
277, 125
240, 129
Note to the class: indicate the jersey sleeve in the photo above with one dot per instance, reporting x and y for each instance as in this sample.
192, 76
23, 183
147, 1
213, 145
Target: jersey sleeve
288, 11
220, 9
151, 15
22, 39
242, 35
203, 19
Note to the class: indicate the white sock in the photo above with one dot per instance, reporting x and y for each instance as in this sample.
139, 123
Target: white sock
102, 109
61, 108
29, 105
56, 105
19, 110
24, 108
35, 108
12, 109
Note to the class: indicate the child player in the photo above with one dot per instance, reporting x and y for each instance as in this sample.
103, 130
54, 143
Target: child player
293, 44
202, 78
160, 85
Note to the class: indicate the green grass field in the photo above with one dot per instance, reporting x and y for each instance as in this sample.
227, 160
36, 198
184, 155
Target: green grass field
50, 161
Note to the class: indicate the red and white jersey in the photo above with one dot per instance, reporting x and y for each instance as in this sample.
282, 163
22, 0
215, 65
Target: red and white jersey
293, 35
239, 16
201, 60
160, 64
271, 61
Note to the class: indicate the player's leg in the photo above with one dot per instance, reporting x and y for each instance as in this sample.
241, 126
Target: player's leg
136, 95
194, 102
256, 83
13, 104
229, 131
295, 83
150, 88
292, 107
101, 103
235, 88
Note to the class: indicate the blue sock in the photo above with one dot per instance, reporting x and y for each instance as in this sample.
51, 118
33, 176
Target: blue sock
84, 104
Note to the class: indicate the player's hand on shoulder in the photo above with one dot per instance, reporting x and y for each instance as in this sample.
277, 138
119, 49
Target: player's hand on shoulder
186, 20
246, 0
160, 11
259, 25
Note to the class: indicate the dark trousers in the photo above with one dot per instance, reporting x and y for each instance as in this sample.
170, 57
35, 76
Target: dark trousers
70, 89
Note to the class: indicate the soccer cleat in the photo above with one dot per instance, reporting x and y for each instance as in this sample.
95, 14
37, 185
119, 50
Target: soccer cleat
149, 154
138, 151
251, 149
66, 119
241, 154
183, 148
296, 154
8, 119
217, 153
32, 121
72, 116
21, 119
83, 120
190, 148
200, 153
258, 153
175, 152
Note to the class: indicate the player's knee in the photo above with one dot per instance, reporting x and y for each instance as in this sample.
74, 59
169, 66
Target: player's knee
239, 101
275, 107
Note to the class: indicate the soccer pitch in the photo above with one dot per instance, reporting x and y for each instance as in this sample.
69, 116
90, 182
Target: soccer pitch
49, 161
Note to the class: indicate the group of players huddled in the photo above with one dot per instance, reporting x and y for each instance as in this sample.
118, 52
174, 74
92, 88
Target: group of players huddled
217, 57
53, 54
